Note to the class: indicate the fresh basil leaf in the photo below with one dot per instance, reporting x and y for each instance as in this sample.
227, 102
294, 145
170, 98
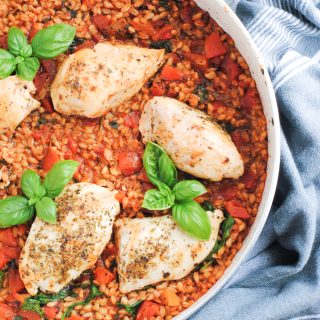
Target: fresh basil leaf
208, 206
26, 51
47, 210
191, 218
188, 189
15, 210
2, 275
33, 305
18, 60
31, 185
158, 165
7, 65
16, 41
50, 42
28, 68
167, 171
130, 308
59, 176
158, 199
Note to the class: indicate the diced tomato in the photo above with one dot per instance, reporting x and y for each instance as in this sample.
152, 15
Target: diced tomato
3, 260
103, 275
7, 238
172, 93
4, 41
214, 46
143, 176
10, 252
175, 58
147, 310
50, 312
75, 318
249, 100
249, 179
22, 229
129, 162
227, 193
198, 61
101, 22
110, 250
72, 145
236, 209
15, 283
120, 196
237, 138
231, 68
186, 14
50, 67
47, 104
6, 312
50, 159
90, 122
36, 27
164, 33
147, 28
171, 74
157, 89
86, 44
131, 120
29, 315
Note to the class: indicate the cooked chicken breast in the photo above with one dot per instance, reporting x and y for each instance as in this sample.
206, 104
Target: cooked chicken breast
93, 81
55, 254
16, 102
156, 249
195, 143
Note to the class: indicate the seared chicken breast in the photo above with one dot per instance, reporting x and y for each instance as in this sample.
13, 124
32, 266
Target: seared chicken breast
91, 82
195, 143
16, 102
55, 254
156, 249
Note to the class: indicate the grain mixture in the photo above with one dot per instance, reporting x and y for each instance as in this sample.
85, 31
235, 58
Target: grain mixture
221, 86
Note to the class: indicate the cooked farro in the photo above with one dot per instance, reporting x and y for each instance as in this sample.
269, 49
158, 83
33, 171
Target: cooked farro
230, 97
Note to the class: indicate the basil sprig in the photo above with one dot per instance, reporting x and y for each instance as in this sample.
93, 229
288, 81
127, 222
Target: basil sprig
23, 57
130, 308
178, 196
38, 195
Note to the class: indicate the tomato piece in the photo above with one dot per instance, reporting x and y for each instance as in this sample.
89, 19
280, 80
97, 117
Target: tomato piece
47, 104
214, 46
131, 120
217, 105
72, 145
143, 176
157, 89
231, 68
249, 179
6, 312
147, 28
29, 315
110, 250
249, 100
171, 74
50, 159
227, 193
7, 237
41, 83
50, 312
101, 21
10, 252
15, 283
50, 68
186, 14
103, 275
90, 122
36, 27
164, 33
236, 209
85, 45
129, 162
3, 259
197, 60
4, 41
147, 310
172, 93
237, 139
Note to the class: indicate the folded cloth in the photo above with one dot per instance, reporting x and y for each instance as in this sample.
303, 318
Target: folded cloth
281, 277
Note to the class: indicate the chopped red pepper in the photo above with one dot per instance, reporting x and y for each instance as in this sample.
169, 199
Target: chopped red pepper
6, 312
186, 14
198, 61
15, 283
249, 179
131, 120
214, 46
7, 237
47, 104
237, 139
103, 275
50, 312
236, 209
217, 105
85, 45
143, 176
147, 310
171, 74
157, 89
101, 21
90, 122
164, 33
146, 28
249, 100
72, 145
50, 159
231, 68
29, 315
36, 27
50, 68
129, 162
